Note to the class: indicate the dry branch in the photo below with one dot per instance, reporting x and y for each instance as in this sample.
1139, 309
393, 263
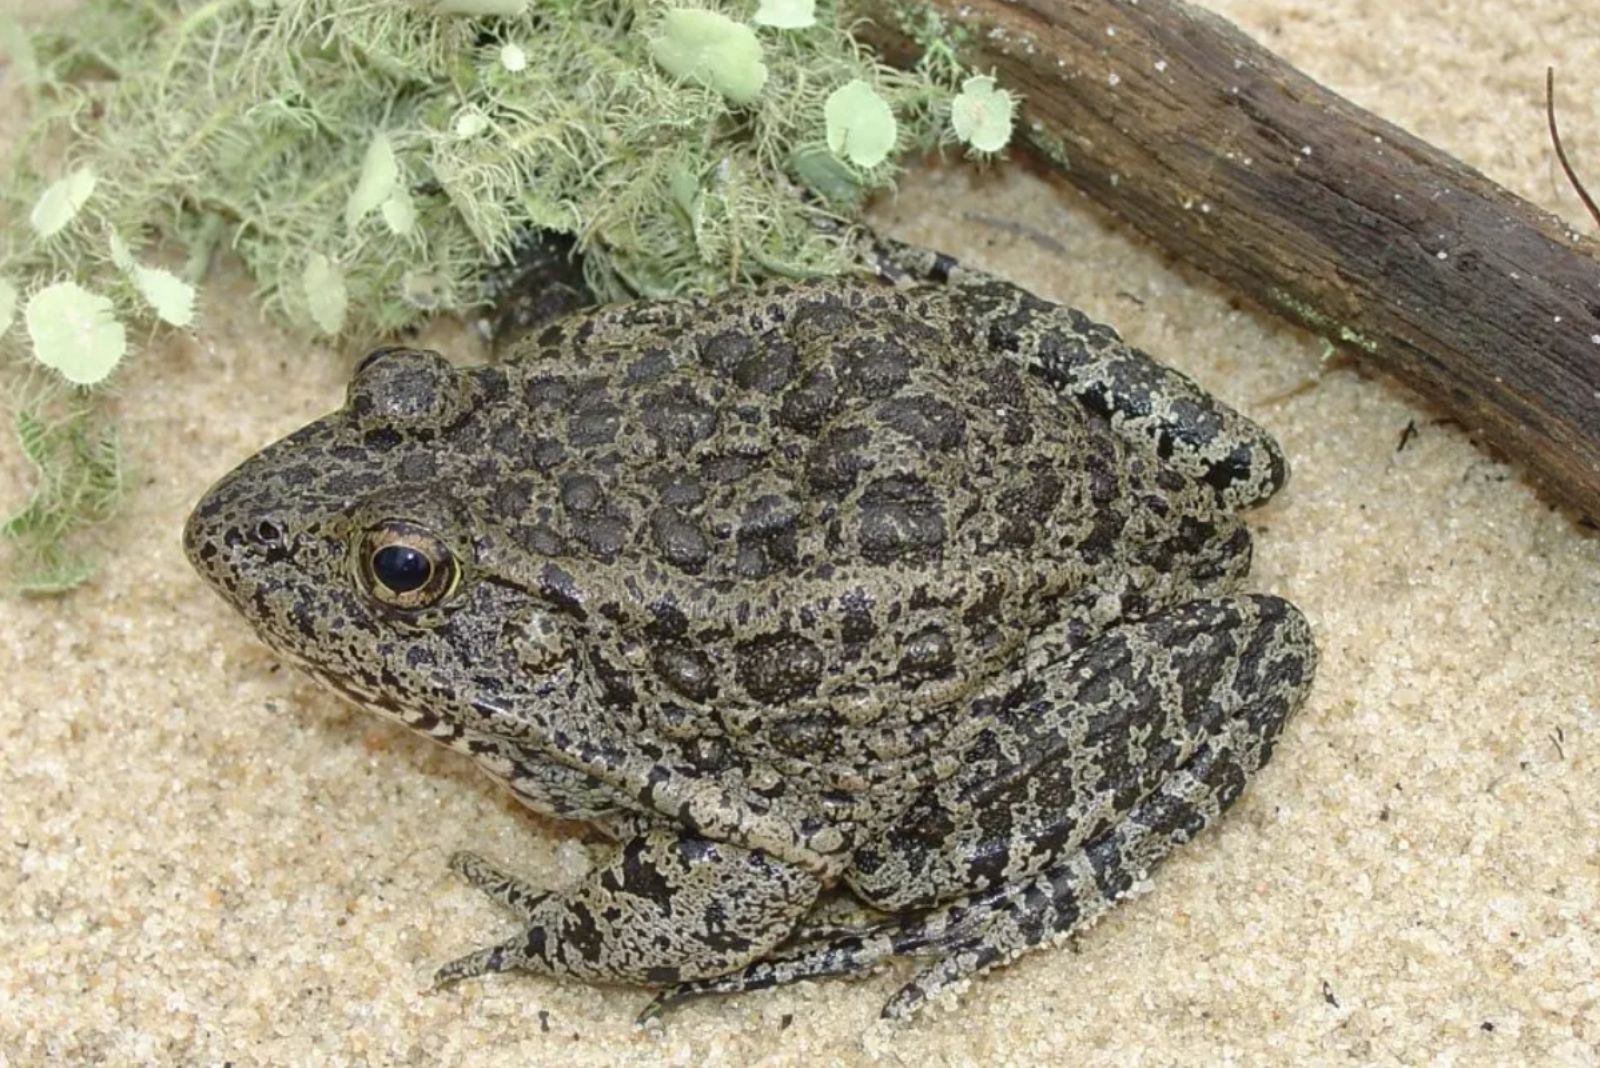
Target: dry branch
1229, 157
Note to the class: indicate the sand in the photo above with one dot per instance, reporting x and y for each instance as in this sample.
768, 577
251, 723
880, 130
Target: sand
209, 860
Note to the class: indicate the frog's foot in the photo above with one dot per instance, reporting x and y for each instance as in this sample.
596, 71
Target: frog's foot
841, 954
509, 891
1123, 751
665, 908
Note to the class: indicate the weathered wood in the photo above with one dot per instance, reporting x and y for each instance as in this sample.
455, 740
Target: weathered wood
1229, 157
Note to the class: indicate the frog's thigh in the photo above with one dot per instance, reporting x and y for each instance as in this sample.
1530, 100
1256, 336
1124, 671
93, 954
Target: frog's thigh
1254, 659
1150, 405
1248, 662
1081, 744
666, 907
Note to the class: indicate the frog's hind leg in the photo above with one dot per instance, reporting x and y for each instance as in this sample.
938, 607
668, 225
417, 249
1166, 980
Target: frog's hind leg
1068, 798
974, 934
1150, 405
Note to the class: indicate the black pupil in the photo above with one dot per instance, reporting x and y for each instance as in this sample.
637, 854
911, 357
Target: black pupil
401, 568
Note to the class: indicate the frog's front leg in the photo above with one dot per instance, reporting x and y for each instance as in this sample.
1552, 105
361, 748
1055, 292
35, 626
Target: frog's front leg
665, 908
1117, 754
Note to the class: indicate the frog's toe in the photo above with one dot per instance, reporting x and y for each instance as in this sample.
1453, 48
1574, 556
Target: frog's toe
510, 892
940, 975
498, 884
658, 1006
504, 957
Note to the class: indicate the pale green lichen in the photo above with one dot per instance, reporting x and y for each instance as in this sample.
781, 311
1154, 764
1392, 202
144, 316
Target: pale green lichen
712, 49
367, 161
786, 14
78, 482
982, 114
940, 40
1322, 323
75, 332
861, 126
58, 205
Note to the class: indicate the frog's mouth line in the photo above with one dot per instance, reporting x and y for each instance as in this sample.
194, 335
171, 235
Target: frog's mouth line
426, 724
349, 689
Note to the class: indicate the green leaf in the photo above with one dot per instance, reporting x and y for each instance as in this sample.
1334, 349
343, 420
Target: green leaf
379, 174
170, 296
787, 14
399, 213
826, 175
60, 203
981, 114
712, 49
75, 332
860, 126
8, 304
323, 284
121, 254
513, 58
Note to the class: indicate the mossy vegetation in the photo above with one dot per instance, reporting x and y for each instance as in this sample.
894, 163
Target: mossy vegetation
368, 160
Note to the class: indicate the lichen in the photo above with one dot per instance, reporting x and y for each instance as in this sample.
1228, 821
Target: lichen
1049, 145
369, 160
1321, 323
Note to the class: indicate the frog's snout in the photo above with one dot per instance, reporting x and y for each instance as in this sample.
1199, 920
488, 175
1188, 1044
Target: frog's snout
204, 540
230, 541
198, 545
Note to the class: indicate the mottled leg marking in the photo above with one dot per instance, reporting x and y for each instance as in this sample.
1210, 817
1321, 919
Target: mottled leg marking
665, 908
1077, 744
499, 884
542, 281
1224, 674
1152, 406
998, 927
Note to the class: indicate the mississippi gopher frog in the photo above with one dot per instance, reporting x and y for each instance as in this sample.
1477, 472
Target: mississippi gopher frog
919, 595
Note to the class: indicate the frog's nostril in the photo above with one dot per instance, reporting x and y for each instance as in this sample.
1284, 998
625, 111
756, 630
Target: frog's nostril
267, 532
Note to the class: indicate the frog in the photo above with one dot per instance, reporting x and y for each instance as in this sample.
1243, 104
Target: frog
868, 618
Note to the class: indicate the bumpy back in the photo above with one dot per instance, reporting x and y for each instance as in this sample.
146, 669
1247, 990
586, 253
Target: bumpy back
802, 526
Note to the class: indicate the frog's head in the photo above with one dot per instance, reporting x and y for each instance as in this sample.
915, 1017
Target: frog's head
353, 548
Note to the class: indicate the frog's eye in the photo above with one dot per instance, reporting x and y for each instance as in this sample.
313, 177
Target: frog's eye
407, 566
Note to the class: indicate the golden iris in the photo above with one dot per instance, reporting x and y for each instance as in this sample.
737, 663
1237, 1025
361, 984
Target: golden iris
407, 566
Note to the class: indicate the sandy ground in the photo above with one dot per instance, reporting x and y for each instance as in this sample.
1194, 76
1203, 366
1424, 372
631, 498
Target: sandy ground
206, 859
